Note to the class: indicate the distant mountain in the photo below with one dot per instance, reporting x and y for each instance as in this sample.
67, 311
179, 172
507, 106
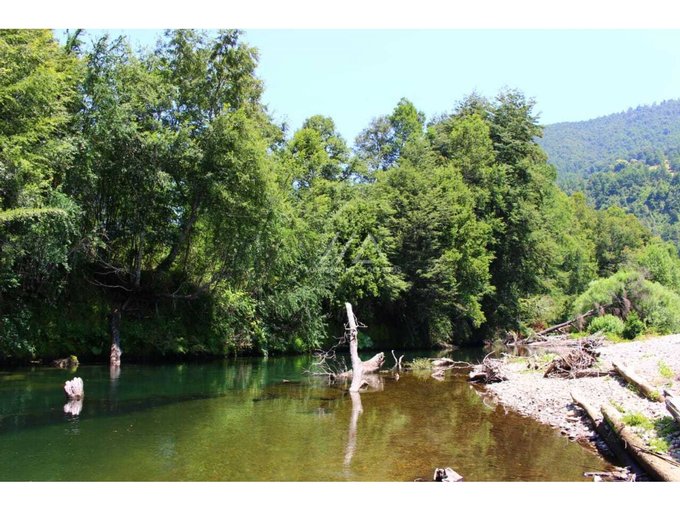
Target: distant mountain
650, 134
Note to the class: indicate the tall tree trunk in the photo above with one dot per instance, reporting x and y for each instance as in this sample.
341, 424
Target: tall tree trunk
137, 270
114, 329
183, 237
357, 366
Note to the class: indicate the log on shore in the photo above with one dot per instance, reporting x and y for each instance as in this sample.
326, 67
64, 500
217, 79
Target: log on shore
606, 433
658, 467
649, 391
673, 405
568, 323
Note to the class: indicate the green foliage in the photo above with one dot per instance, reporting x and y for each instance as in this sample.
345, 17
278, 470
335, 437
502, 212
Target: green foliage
659, 445
665, 370
635, 419
607, 324
155, 183
660, 262
657, 306
578, 148
665, 426
634, 327
420, 364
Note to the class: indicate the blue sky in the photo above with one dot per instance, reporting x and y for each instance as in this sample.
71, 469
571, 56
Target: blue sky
353, 76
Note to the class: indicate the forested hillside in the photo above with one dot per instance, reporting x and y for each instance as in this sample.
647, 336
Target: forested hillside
629, 160
151, 189
647, 133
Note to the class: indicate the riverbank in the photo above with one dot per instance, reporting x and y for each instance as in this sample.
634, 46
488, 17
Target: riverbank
549, 401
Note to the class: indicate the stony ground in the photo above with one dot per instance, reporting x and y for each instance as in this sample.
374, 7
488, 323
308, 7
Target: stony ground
549, 399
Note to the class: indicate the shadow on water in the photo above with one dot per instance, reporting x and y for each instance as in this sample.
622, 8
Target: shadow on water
264, 420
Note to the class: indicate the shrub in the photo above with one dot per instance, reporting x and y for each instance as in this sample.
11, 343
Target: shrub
659, 306
420, 364
607, 324
634, 327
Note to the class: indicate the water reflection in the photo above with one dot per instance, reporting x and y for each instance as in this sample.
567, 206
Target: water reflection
248, 420
357, 409
73, 407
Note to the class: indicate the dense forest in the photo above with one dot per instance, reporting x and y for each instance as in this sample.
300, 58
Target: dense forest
650, 134
153, 188
629, 160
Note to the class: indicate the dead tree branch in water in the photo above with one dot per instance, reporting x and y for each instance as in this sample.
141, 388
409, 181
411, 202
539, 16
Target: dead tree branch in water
327, 363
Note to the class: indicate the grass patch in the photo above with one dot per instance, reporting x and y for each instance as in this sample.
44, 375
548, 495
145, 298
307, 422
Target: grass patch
665, 370
617, 406
659, 445
420, 364
636, 419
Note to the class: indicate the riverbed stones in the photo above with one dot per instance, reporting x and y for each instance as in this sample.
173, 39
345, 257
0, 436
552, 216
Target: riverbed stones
549, 400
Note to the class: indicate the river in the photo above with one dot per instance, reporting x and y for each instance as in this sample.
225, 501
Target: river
266, 420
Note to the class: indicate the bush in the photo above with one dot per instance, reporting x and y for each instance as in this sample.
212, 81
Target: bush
607, 324
634, 327
659, 306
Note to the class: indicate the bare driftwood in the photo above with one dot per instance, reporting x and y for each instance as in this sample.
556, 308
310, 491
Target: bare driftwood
620, 475
569, 323
442, 362
489, 371
577, 362
446, 475
605, 432
658, 466
70, 362
74, 389
328, 365
673, 405
359, 368
114, 329
639, 382
397, 362
370, 366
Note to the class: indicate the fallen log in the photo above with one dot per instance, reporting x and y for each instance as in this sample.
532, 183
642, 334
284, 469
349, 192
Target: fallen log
489, 371
370, 366
606, 433
656, 465
578, 374
443, 362
621, 475
673, 405
639, 382
568, 323
70, 362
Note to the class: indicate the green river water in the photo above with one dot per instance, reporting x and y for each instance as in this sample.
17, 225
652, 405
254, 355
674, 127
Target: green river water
265, 420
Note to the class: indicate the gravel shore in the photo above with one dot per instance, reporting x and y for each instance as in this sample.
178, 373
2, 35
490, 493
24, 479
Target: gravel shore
548, 400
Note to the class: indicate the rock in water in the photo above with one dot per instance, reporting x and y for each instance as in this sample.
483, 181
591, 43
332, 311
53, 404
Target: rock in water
446, 475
